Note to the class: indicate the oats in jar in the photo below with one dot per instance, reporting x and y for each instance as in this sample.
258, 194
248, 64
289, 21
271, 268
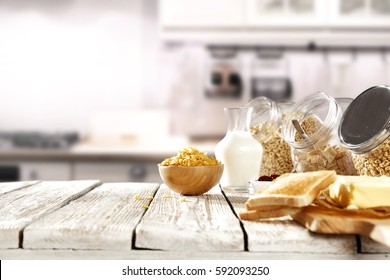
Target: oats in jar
324, 156
374, 163
310, 125
276, 152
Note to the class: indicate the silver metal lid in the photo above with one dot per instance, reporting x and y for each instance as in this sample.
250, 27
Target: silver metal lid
365, 123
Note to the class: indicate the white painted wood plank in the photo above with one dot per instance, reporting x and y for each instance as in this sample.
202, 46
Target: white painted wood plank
103, 219
11, 186
61, 254
22, 206
200, 223
285, 235
372, 247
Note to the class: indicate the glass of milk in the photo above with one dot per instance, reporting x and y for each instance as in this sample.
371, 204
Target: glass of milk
240, 153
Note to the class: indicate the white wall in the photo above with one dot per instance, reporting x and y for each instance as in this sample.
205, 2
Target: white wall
61, 61
339, 74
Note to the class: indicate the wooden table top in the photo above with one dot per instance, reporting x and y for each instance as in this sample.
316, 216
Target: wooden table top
94, 220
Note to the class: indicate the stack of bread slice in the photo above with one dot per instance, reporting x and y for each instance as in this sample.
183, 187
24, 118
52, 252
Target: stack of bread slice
287, 195
324, 202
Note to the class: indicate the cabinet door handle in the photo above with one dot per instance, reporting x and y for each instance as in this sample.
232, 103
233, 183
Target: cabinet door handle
33, 175
138, 172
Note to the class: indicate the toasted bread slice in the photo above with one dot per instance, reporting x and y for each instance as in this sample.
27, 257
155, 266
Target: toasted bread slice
263, 207
253, 215
293, 190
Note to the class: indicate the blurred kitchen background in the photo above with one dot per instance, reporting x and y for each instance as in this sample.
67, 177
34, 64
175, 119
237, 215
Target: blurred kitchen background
105, 89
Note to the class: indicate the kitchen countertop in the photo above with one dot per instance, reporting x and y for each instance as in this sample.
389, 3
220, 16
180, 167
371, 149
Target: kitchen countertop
91, 220
107, 151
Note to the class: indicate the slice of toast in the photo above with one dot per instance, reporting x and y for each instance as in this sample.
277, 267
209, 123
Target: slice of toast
252, 215
263, 207
293, 190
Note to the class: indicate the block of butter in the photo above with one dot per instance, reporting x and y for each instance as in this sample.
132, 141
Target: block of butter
361, 191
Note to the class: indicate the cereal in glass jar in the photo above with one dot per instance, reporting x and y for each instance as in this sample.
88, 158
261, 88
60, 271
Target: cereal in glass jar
365, 131
266, 128
311, 131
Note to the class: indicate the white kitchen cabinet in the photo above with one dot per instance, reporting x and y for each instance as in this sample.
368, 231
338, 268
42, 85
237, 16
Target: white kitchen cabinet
49, 171
359, 13
244, 14
285, 13
201, 13
117, 172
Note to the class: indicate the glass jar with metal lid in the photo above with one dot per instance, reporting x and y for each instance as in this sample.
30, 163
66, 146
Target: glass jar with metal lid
365, 130
266, 128
311, 131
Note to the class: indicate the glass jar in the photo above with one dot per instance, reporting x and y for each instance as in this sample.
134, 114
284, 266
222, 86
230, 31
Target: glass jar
317, 146
365, 131
238, 151
266, 128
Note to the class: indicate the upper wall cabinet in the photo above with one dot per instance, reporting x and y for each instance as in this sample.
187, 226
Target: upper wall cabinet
201, 13
359, 13
249, 14
285, 13
336, 22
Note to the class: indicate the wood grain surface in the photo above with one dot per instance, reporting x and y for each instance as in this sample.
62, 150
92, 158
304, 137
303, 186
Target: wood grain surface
155, 255
340, 221
190, 223
285, 235
87, 220
369, 246
22, 206
8, 187
103, 219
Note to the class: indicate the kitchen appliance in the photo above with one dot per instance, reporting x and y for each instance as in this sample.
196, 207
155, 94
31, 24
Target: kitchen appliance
53, 156
218, 81
37, 140
274, 88
269, 77
229, 77
223, 74
15, 169
9, 173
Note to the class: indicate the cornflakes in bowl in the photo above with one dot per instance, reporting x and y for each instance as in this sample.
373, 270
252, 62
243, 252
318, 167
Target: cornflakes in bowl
191, 172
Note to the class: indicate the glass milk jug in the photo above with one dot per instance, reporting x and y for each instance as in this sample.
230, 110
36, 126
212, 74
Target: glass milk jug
240, 153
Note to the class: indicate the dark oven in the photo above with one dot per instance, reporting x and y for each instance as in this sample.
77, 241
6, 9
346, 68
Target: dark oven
9, 173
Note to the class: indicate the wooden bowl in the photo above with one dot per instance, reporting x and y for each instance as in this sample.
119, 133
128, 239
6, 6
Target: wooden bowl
191, 180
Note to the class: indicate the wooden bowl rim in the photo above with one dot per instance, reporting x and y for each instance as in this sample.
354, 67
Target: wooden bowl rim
181, 166
166, 171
